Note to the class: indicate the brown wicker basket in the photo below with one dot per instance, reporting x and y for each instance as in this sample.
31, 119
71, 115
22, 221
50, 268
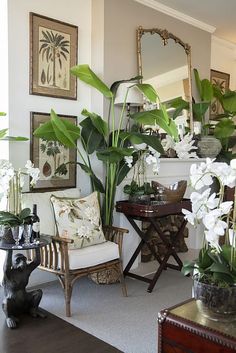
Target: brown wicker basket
174, 192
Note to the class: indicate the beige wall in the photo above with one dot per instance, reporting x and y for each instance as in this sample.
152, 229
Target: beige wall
121, 21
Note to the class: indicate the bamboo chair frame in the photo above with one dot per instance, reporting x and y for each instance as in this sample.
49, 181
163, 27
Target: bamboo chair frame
56, 253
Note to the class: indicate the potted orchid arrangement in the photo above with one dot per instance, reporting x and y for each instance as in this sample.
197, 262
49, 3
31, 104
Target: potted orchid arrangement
11, 184
214, 271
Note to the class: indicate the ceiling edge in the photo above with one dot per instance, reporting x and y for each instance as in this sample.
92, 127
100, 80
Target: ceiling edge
224, 43
177, 14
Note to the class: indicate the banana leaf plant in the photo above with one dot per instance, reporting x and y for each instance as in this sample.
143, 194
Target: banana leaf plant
105, 138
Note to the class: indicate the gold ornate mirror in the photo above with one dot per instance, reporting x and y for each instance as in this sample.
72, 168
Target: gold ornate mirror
164, 61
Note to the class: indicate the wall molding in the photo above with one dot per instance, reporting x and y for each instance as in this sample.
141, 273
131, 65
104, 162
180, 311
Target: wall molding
177, 14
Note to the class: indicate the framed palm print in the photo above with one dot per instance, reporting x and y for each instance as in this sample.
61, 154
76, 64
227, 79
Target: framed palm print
49, 155
220, 80
53, 51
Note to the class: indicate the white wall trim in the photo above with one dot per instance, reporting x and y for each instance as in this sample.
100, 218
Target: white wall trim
223, 43
177, 14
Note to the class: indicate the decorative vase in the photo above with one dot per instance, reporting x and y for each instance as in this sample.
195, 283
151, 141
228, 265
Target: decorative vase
209, 146
215, 303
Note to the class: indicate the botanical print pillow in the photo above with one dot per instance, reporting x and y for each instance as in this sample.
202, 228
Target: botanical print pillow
79, 219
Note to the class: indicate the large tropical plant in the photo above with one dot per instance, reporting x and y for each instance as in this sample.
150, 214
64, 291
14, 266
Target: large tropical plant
108, 140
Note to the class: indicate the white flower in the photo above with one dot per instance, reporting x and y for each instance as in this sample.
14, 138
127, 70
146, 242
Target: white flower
213, 222
213, 239
140, 146
33, 172
233, 163
150, 159
189, 216
128, 160
92, 215
168, 143
199, 177
6, 174
184, 148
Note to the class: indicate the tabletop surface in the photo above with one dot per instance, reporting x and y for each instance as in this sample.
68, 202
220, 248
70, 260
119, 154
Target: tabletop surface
189, 311
152, 209
44, 240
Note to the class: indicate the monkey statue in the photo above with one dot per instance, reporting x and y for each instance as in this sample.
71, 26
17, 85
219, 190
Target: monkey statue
16, 299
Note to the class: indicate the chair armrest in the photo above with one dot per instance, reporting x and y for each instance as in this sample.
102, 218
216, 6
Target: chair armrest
115, 234
62, 240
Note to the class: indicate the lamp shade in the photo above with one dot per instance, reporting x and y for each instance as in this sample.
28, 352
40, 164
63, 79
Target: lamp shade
134, 97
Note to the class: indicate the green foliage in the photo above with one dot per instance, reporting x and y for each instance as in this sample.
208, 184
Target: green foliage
134, 189
3, 133
212, 267
111, 145
10, 219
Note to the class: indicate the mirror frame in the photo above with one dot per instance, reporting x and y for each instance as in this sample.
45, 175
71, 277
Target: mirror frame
165, 36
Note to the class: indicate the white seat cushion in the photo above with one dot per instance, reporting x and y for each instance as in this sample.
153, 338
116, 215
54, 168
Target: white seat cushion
93, 255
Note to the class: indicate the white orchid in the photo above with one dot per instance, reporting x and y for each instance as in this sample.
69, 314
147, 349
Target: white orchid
12, 181
33, 172
207, 206
185, 147
128, 160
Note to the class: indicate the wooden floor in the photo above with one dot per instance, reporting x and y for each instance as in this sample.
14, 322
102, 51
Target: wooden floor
49, 335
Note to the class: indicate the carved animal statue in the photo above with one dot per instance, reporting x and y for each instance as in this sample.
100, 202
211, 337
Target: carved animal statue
16, 277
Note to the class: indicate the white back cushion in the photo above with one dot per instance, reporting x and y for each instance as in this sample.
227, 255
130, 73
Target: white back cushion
44, 206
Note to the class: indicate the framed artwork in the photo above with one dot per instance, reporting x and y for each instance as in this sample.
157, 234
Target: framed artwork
221, 80
49, 155
53, 51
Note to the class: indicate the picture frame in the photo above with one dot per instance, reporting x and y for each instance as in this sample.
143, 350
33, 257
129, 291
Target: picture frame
48, 155
221, 80
53, 51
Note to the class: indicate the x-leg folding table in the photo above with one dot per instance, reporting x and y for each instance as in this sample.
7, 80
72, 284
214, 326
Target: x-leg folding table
150, 213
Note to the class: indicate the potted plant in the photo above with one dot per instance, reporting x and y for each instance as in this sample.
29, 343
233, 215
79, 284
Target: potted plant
107, 138
214, 271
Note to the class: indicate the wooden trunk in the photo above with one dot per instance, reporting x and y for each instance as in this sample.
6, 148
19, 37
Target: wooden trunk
182, 329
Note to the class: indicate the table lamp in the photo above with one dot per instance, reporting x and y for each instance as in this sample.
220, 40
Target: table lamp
134, 96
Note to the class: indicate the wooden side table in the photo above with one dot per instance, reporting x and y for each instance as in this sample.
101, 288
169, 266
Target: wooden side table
151, 212
182, 329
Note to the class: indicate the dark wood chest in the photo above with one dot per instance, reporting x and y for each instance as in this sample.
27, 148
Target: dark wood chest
182, 329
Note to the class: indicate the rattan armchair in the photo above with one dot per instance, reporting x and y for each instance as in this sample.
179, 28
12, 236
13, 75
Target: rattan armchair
55, 258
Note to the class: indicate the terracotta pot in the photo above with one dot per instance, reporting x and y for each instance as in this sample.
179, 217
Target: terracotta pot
215, 303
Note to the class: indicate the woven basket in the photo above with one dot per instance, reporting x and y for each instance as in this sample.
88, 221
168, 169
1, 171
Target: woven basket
174, 192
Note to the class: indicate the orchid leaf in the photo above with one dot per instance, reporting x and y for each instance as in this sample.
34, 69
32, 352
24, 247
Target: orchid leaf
85, 74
